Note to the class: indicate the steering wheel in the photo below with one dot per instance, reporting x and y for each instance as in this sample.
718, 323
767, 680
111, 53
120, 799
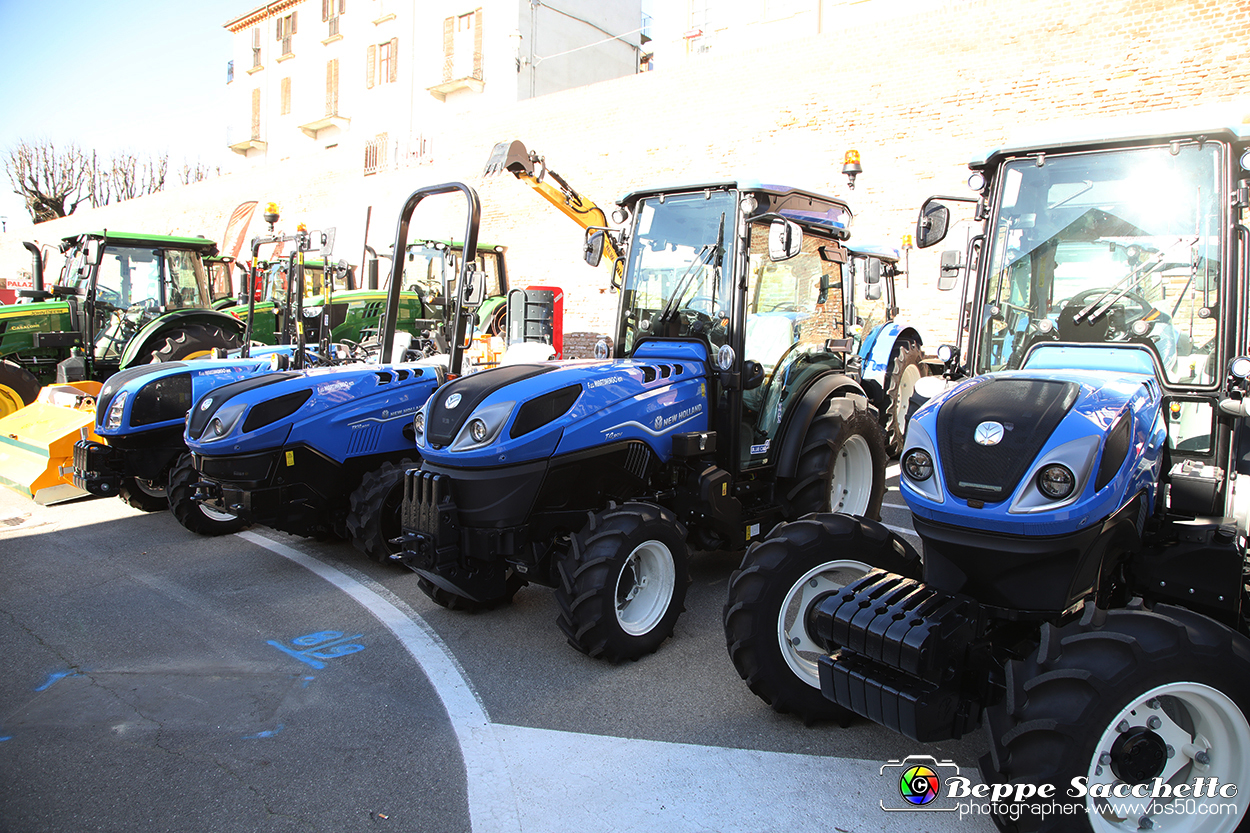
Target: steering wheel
146, 305
1090, 328
107, 296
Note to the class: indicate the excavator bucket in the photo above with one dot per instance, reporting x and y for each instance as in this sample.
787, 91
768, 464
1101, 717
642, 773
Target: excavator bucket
511, 157
38, 440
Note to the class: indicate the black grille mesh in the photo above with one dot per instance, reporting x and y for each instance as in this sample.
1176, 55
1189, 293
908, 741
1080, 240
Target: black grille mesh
1029, 411
162, 400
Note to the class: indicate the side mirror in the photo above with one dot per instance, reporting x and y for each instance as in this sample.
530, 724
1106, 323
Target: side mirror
872, 291
933, 224
948, 276
785, 240
327, 244
474, 289
592, 250
825, 286
752, 374
872, 271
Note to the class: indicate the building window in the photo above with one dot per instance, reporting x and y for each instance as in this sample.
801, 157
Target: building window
462, 46
381, 63
229, 72
285, 29
286, 97
332, 87
256, 47
330, 11
375, 154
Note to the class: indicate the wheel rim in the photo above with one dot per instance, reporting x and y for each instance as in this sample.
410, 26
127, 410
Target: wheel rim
149, 488
216, 514
10, 401
797, 646
644, 587
850, 487
906, 385
1196, 723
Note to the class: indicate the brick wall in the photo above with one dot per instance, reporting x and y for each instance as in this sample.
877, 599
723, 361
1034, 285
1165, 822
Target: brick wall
918, 94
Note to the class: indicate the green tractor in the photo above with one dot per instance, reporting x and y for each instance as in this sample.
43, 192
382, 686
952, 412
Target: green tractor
122, 299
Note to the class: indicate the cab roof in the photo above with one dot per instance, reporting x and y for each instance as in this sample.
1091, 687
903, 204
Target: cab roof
808, 208
202, 244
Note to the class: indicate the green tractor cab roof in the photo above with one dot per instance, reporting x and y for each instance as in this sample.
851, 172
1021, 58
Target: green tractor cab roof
452, 244
203, 244
805, 207
1122, 131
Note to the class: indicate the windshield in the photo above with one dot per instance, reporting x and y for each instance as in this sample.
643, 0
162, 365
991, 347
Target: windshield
674, 284
1120, 246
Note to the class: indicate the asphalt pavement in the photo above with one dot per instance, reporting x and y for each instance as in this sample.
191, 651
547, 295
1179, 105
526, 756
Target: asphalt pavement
159, 681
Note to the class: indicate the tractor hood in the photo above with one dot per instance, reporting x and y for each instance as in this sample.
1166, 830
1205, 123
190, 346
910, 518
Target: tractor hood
1034, 452
528, 412
155, 396
340, 412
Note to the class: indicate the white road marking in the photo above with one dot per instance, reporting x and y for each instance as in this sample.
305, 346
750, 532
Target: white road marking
526, 780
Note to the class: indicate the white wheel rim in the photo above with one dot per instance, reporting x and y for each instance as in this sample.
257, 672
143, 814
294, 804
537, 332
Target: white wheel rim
644, 587
1197, 723
850, 487
797, 646
906, 385
216, 514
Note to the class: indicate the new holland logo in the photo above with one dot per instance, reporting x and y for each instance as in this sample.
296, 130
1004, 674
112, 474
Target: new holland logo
988, 433
452, 401
206, 404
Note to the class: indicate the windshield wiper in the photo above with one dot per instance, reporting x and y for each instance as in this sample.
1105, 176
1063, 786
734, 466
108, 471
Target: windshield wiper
1126, 282
709, 252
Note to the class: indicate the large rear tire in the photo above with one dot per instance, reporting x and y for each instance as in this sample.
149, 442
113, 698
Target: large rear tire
18, 388
1127, 696
905, 371
144, 495
841, 465
373, 521
193, 341
195, 516
622, 583
782, 578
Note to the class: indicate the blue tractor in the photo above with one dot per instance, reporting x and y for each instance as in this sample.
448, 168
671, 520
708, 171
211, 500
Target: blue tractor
321, 452
1082, 491
728, 401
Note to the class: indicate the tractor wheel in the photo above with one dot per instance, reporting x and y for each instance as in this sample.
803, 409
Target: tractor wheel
373, 520
454, 601
841, 465
194, 341
781, 579
195, 516
18, 388
901, 380
622, 584
144, 495
1127, 696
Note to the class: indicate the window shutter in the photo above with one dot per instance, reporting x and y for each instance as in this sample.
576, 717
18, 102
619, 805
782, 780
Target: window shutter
477, 44
286, 96
278, 30
325, 9
394, 73
371, 65
449, 46
256, 113
293, 22
256, 37
342, 6
332, 87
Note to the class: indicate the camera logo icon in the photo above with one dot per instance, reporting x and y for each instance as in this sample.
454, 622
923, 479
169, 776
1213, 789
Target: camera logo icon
916, 783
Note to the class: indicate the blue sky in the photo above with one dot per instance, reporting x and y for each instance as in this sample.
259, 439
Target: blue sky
140, 75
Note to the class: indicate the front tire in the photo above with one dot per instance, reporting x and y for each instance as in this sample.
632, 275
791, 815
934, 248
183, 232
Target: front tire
373, 521
622, 584
1128, 696
195, 516
18, 388
781, 580
904, 372
144, 495
841, 465
194, 341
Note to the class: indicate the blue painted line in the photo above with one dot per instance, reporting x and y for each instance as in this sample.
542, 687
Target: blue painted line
55, 677
7, 737
268, 733
322, 645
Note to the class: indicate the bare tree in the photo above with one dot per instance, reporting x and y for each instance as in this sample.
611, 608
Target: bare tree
53, 182
196, 173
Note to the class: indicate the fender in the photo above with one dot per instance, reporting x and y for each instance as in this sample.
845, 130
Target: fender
146, 338
803, 413
878, 348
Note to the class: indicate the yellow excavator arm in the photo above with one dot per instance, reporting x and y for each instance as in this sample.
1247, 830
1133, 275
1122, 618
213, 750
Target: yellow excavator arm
532, 169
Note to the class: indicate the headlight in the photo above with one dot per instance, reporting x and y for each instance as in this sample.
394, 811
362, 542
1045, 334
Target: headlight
312, 312
483, 427
418, 424
223, 422
116, 407
1056, 481
918, 465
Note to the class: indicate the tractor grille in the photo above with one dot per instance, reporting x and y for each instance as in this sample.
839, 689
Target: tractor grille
1029, 410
